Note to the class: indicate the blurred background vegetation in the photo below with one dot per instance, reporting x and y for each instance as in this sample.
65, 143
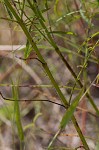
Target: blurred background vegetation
74, 26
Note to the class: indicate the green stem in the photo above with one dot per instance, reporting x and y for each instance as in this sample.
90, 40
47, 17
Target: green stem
44, 64
18, 117
80, 133
35, 10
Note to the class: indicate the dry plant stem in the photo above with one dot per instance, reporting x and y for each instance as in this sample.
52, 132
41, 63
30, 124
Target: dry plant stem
84, 116
30, 100
81, 24
38, 85
44, 64
47, 100
64, 134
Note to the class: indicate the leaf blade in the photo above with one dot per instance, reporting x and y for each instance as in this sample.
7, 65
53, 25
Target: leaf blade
70, 111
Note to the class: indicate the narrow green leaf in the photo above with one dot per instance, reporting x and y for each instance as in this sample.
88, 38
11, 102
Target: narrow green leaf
17, 113
27, 49
70, 111
9, 12
62, 32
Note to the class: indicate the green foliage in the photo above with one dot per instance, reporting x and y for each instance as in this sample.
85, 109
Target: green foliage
41, 30
17, 115
6, 112
70, 111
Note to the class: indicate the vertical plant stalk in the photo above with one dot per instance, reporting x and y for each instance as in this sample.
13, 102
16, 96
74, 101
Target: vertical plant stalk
18, 117
44, 64
54, 138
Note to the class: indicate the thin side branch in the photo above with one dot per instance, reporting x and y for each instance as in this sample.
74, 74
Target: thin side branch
29, 100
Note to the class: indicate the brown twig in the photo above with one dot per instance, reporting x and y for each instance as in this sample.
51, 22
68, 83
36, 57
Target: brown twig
29, 58
24, 100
